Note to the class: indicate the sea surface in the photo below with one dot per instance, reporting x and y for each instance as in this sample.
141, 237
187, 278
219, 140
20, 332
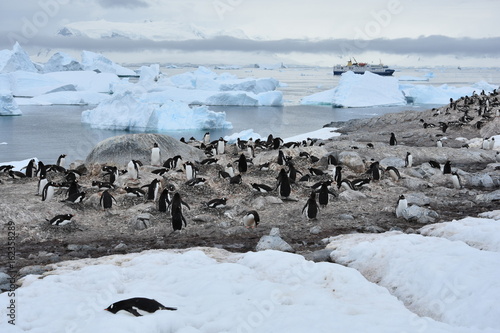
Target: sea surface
46, 132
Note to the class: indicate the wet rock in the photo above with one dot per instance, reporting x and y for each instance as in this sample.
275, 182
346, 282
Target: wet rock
141, 221
315, 230
121, 247
349, 195
273, 241
319, 256
417, 198
396, 162
488, 197
419, 214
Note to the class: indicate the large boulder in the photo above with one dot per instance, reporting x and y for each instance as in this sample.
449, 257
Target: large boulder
119, 150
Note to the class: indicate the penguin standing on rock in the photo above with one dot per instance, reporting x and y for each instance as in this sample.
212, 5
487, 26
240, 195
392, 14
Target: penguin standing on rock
48, 191
324, 192
136, 304
392, 140
41, 184
61, 160
311, 208
221, 144
251, 219
190, 170
176, 212
206, 138
447, 168
242, 164
155, 155
283, 184
153, 190
401, 206
31, 169
455, 179
106, 201
408, 160
165, 198
133, 169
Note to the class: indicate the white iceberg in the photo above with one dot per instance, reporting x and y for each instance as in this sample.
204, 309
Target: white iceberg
97, 62
243, 135
8, 105
356, 90
15, 60
127, 112
66, 98
61, 61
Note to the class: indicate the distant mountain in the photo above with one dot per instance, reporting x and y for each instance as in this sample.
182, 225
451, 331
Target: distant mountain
147, 30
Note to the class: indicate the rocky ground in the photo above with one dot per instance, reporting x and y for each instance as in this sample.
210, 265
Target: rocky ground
134, 224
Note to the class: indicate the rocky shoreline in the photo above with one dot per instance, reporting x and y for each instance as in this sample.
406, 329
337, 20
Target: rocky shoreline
134, 224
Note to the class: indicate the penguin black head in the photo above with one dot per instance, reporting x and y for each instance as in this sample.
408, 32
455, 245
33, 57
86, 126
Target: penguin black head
401, 197
155, 145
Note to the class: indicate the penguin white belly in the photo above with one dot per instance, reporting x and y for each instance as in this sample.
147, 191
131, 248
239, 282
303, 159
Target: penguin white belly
155, 156
189, 172
402, 205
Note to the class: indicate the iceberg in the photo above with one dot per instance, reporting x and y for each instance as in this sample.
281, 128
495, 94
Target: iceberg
129, 112
243, 135
8, 105
97, 62
356, 90
16, 60
61, 61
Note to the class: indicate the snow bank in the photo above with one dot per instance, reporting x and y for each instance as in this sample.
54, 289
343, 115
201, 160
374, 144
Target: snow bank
93, 61
322, 134
446, 280
214, 291
480, 233
15, 60
18, 165
8, 105
127, 112
356, 90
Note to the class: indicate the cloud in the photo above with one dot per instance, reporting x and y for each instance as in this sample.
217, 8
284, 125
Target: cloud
122, 3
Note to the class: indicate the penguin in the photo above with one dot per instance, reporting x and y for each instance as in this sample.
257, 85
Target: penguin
374, 171
155, 155
439, 143
112, 172
305, 178
41, 184
48, 191
331, 160
486, 144
401, 206
455, 178
370, 145
224, 174
497, 157
392, 140
217, 203
435, 164
250, 151
316, 172
277, 142
264, 167
408, 160
229, 169
283, 184
292, 172
172, 162
492, 143
133, 169
41, 170
189, 170
103, 185
209, 161
75, 198
6, 168
242, 164
61, 160
133, 305
358, 184
235, 180
160, 172
324, 192
176, 212
134, 192
60, 220
196, 181
153, 190
206, 138
394, 173
16, 174
338, 175
220, 146
281, 157
165, 198
262, 188
73, 188
311, 208
447, 168
31, 169
251, 219
346, 184
106, 200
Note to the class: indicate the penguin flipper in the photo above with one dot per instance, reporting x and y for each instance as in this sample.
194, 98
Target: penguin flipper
185, 204
304, 208
133, 311
184, 219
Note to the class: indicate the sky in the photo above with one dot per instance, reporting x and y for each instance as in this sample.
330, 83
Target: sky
315, 32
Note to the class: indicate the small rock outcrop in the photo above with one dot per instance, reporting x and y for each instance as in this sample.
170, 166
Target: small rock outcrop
273, 241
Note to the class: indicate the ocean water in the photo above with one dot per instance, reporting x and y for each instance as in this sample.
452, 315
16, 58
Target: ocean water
46, 132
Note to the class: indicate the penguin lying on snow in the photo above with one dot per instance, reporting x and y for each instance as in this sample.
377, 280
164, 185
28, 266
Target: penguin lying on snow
133, 305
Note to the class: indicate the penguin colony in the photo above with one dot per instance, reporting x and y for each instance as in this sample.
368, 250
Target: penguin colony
178, 192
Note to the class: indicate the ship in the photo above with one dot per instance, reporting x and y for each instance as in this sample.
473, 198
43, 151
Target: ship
362, 67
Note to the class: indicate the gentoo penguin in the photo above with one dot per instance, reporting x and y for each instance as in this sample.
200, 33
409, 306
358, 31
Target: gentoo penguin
209, 161
264, 166
217, 203
103, 185
394, 173
455, 178
196, 181
165, 198
497, 157
283, 184
281, 157
262, 188
358, 184
492, 143
292, 172
224, 174
112, 172
172, 162
439, 143
75, 198
408, 160
392, 140
133, 169
206, 138
324, 192
189, 170
61, 160
31, 169
160, 172
155, 155
486, 144
235, 180
374, 171
48, 191
176, 212
136, 304
106, 200
346, 184
370, 145
73, 188
242, 164
251, 219
41, 184
16, 174
153, 190
447, 168
134, 192
338, 175
221, 144
250, 151
435, 164
229, 169
42, 170
316, 172
311, 208
60, 220
331, 160
401, 206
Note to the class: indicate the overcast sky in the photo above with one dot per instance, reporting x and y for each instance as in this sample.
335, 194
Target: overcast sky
314, 32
